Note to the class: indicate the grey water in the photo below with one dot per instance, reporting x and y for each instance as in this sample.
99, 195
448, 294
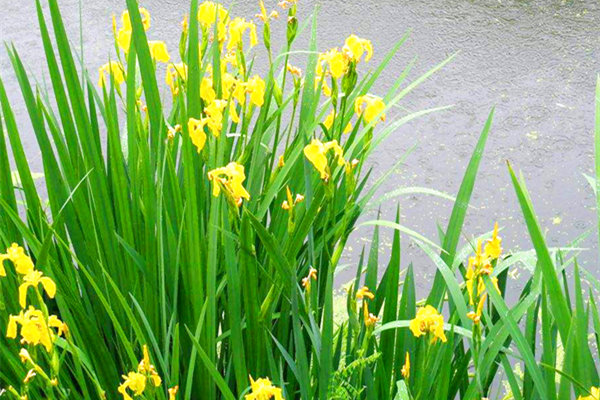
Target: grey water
536, 61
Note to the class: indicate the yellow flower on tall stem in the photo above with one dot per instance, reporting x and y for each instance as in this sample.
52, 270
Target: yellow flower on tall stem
406, 367
594, 394
355, 47
370, 107
21, 261
196, 132
112, 68
306, 281
176, 73
33, 279
316, 153
231, 179
263, 389
158, 51
34, 328
237, 27
428, 321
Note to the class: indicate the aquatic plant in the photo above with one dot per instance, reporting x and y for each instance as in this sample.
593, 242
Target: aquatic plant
186, 247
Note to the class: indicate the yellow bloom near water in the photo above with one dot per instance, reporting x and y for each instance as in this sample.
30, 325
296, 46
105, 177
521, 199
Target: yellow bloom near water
237, 27
176, 73
231, 179
112, 68
332, 62
21, 261
428, 321
34, 328
316, 153
34, 279
158, 51
355, 47
196, 132
330, 119
136, 382
370, 107
263, 389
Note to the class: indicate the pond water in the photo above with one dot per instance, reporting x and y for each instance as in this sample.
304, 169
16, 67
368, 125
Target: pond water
536, 61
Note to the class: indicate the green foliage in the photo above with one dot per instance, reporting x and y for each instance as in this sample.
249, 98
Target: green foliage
153, 245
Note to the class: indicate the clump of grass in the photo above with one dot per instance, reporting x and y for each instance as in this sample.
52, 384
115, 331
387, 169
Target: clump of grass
189, 245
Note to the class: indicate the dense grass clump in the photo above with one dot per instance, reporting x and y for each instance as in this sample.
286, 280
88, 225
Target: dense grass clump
186, 247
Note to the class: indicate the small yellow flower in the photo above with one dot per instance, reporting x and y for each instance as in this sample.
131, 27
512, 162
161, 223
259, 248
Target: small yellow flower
355, 47
196, 131
312, 274
370, 107
325, 89
173, 392
124, 34
133, 381
113, 68
316, 153
280, 162
176, 73
214, 113
594, 394
256, 87
428, 320
370, 319
145, 367
34, 329
237, 27
364, 292
406, 367
33, 279
263, 15
295, 71
330, 119
493, 247
263, 389
231, 179
21, 261
209, 12
158, 51
333, 62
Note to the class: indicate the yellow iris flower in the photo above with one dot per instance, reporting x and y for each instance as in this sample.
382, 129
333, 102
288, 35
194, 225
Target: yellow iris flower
370, 107
16, 254
428, 321
196, 131
406, 367
214, 113
231, 179
208, 14
330, 119
306, 281
135, 382
256, 87
33, 279
113, 68
176, 73
355, 47
158, 51
595, 394
124, 33
237, 27
334, 62
263, 389
316, 153
34, 328
369, 319
173, 392
364, 292
493, 247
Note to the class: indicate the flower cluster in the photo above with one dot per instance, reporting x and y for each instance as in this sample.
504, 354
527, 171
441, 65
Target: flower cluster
33, 325
480, 265
136, 382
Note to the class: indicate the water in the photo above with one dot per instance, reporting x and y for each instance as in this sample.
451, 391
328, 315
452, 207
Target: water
536, 61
